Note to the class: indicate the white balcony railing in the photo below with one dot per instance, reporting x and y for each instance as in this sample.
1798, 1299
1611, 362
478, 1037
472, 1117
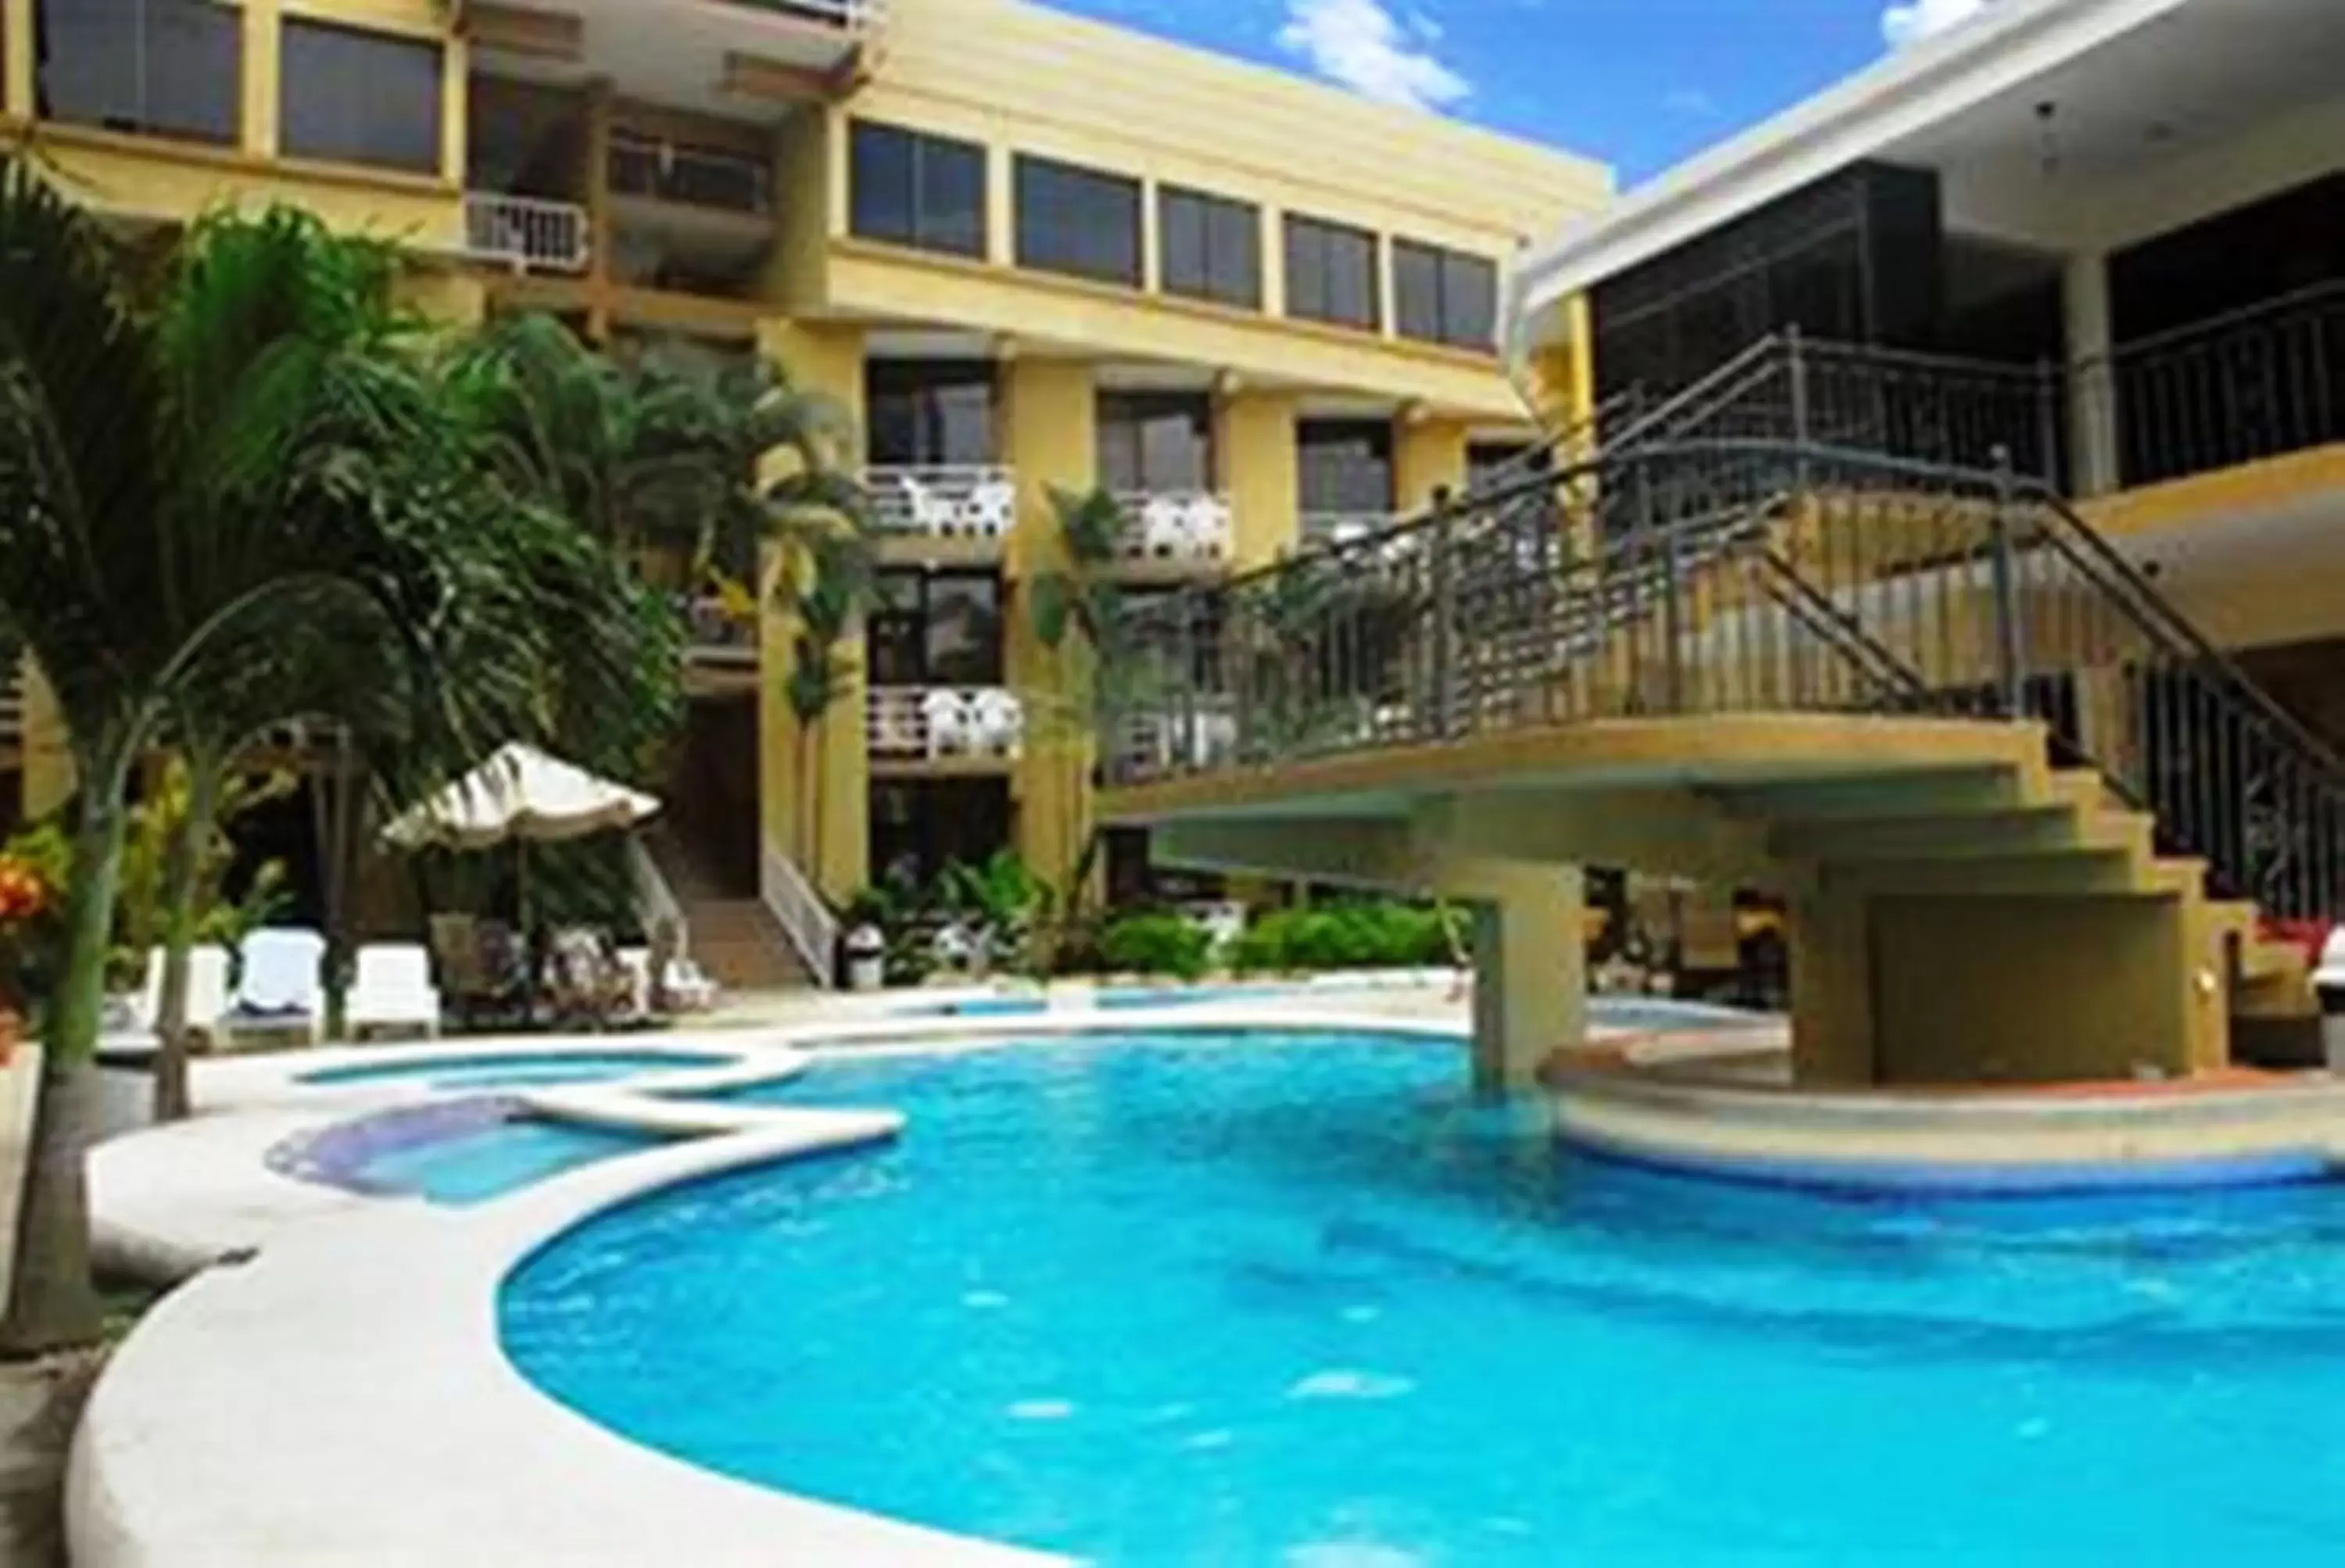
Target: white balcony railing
969, 502
937, 723
1157, 745
800, 911
858, 17
525, 233
1175, 526
11, 701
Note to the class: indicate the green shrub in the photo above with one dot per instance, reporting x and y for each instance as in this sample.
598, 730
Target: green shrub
1358, 935
1156, 944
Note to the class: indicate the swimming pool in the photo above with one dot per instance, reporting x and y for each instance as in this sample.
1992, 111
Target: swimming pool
515, 1070
1292, 1300
482, 1163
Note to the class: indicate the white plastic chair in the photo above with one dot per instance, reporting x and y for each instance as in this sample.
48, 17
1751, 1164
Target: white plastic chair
945, 715
393, 989
637, 963
207, 992
991, 509
283, 990
1165, 528
933, 514
952, 947
688, 990
1208, 528
996, 722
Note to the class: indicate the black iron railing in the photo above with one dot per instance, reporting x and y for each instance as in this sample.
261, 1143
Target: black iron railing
2251, 384
1740, 574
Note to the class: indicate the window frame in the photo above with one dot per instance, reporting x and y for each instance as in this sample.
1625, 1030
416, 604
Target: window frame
1032, 228
968, 235
1301, 229
229, 83
1122, 417
1445, 266
1245, 293
291, 27
915, 621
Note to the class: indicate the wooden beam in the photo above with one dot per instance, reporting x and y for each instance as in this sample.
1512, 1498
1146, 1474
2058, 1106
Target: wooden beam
520, 30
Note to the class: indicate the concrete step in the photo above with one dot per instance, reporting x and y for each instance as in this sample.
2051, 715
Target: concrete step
737, 943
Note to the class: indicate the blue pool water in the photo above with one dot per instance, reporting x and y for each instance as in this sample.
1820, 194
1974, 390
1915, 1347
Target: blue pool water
483, 1163
517, 1070
1193, 1300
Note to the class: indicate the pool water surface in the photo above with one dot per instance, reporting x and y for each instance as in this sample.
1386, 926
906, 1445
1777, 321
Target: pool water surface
1279, 1300
515, 1070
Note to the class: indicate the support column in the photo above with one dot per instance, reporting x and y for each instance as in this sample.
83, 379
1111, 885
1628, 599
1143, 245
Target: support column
262, 50
49, 757
1254, 439
18, 93
1829, 934
1051, 420
601, 116
2092, 391
828, 831
1429, 454
1530, 969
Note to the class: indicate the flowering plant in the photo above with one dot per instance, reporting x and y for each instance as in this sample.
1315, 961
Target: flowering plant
32, 918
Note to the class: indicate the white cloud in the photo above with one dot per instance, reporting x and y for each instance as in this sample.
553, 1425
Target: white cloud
1919, 19
1357, 44
1692, 101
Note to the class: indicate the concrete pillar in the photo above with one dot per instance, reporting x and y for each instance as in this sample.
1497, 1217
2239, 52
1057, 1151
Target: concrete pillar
1051, 422
1429, 454
2093, 413
813, 788
1530, 969
17, 95
263, 45
1254, 440
601, 228
455, 107
1829, 935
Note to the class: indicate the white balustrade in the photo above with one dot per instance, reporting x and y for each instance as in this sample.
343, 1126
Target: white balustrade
968, 502
12, 700
1188, 525
799, 909
1152, 745
524, 232
938, 722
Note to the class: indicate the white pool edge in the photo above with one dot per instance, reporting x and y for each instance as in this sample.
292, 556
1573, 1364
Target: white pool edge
343, 1397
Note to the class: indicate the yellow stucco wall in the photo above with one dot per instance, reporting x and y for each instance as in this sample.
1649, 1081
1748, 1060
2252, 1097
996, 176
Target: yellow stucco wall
1429, 454
1253, 433
1051, 418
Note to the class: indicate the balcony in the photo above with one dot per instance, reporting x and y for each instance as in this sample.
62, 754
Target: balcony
959, 729
937, 514
525, 233
645, 169
1342, 527
1158, 745
855, 19
1175, 534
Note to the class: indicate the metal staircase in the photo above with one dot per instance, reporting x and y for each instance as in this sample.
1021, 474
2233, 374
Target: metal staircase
1812, 529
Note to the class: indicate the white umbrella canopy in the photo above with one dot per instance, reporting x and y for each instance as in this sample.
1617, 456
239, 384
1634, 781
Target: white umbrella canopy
520, 794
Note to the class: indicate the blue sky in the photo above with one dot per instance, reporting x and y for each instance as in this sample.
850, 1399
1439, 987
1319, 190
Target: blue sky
1639, 84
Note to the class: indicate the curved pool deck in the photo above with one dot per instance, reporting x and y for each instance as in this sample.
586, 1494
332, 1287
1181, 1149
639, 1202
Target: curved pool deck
394, 1430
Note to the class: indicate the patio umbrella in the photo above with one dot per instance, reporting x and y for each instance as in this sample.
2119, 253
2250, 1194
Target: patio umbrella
521, 795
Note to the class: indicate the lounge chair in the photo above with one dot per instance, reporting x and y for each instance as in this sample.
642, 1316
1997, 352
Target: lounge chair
393, 991
282, 990
688, 990
206, 1005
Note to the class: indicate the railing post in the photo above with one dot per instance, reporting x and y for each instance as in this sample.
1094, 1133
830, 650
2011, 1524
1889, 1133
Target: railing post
2047, 424
1187, 754
1444, 643
2010, 647
1672, 625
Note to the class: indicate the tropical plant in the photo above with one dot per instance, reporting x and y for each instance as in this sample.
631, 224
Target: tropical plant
1076, 611
1351, 935
1003, 900
247, 483
33, 868
1161, 943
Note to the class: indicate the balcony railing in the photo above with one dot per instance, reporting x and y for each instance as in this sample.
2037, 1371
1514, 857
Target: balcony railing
855, 16
690, 176
1167, 743
12, 700
524, 232
944, 502
1189, 526
2249, 385
941, 723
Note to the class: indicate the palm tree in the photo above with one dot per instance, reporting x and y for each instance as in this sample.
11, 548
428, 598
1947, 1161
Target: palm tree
192, 498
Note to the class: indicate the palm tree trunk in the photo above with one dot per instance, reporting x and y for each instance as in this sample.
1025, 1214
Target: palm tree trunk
51, 1304
180, 867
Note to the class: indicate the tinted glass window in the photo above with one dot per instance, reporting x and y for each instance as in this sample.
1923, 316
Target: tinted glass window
1331, 273
934, 628
1444, 296
909, 189
163, 67
1078, 221
1347, 466
924, 413
360, 98
1155, 442
1212, 247
921, 826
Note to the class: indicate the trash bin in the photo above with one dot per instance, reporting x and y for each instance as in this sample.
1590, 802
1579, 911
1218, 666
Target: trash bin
2331, 987
867, 958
